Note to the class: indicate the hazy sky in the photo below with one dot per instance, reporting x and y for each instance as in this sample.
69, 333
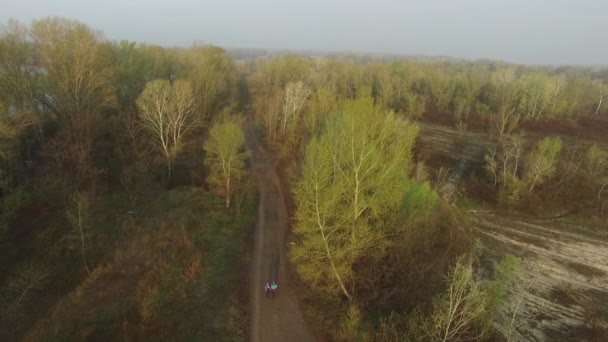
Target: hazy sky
523, 31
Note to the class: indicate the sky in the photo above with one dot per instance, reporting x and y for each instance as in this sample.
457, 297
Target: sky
553, 32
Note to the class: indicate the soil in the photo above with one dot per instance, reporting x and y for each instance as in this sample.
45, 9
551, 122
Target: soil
275, 318
563, 280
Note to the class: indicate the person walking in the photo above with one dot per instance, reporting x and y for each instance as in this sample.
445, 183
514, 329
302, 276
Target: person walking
273, 288
267, 289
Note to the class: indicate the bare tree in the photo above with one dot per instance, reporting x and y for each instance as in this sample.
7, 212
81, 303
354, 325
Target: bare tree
295, 97
505, 120
20, 287
558, 83
596, 167
520, 290
602, 94
79, 217
168, 111
491, 164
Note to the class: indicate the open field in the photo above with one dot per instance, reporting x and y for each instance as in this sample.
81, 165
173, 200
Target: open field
562, 286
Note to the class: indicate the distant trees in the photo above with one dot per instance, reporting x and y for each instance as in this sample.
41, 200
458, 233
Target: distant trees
535, 95
225, 156
269, 86
213, 76
168, 111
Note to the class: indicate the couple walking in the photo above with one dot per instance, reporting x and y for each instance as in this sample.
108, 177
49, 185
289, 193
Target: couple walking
271, 289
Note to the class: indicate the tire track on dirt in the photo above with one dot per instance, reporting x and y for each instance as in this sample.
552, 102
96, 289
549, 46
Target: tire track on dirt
565, 273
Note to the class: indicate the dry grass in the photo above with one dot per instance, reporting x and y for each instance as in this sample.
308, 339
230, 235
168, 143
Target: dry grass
135, 277
163, 274
159, 277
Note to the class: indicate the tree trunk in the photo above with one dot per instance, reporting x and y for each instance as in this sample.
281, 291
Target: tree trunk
82, 243
328, 253
532, 187
228, 193
599, 195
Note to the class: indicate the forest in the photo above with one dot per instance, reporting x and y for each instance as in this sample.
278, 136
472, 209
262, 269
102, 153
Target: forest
129, 192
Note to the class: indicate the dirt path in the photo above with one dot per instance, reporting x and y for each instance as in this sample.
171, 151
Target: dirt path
279, 318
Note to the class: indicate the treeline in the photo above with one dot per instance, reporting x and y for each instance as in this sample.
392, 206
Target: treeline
498, 93
293, 95
546, 176
85, 111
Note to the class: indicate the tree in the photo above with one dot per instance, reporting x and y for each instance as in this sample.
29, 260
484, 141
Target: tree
226, 156
353, 178
491, 164
557, 85
20, 288
268, 83
167, 110
467, 87
465, 310
79, 217
213, 75
10, 129
296, 95
323, 102
19, 69
542, 161
78, 74
456, 312
602, 90
135, 67
536, 95
596, 165
504, 101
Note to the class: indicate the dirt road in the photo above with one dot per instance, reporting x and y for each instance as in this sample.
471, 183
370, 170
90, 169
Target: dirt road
279, 318
563, 283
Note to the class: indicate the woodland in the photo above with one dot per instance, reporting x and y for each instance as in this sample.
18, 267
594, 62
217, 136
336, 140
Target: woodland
128, 199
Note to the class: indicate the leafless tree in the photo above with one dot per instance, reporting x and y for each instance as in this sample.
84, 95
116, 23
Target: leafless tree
168, 111
295, 97
79, 217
